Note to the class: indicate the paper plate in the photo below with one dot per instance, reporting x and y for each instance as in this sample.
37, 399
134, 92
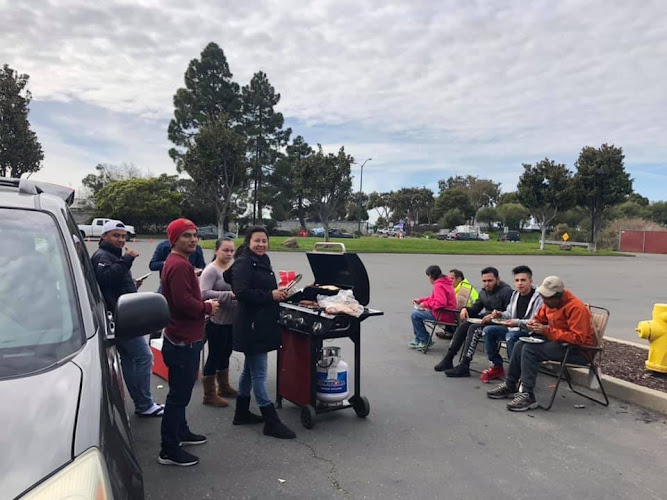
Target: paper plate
532, 340
475, 321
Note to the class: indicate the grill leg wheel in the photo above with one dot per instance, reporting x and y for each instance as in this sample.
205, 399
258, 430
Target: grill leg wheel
308, 416
361, 406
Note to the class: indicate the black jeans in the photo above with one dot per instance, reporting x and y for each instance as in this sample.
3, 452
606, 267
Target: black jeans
183, 364
464, 331
219, 338
526, 359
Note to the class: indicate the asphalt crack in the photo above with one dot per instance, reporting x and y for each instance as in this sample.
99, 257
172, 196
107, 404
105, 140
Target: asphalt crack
332, 475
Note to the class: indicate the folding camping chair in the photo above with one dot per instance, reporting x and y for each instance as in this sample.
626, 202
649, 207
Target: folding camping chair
461, 301
599, 320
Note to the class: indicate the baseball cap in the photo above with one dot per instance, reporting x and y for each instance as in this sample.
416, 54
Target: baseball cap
113, 225
551, 286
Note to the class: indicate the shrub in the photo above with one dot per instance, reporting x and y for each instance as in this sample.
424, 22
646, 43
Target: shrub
609, 236
574, 234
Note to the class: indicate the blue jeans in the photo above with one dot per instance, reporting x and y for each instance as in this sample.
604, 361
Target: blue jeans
183, 364
136, 360
418, 317
254, 377
493, 336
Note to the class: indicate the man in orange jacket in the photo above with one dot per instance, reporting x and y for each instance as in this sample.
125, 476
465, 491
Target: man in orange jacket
562, 318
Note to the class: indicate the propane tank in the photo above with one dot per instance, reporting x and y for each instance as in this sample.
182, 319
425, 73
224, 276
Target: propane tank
331, 377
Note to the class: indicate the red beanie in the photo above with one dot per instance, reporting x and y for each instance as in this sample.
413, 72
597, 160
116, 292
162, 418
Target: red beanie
178, 227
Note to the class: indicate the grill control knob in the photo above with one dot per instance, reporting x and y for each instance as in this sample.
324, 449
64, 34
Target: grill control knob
299, 322
285, 317
317, 326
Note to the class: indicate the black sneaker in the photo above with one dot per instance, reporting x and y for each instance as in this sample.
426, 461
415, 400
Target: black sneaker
179, 457
502, 391
191, 439
461, 370
523, 401
445, 364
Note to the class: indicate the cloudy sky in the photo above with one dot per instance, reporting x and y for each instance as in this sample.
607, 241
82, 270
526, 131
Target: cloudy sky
427, 89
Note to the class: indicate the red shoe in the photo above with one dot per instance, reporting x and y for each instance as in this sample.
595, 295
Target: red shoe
495, 372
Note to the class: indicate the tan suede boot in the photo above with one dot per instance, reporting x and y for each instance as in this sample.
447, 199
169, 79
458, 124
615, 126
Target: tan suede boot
224, 389
210, 396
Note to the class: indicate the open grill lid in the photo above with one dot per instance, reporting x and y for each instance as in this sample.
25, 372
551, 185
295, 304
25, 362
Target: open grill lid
344, 270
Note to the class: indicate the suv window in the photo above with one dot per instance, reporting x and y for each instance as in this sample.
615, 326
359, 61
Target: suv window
38, 321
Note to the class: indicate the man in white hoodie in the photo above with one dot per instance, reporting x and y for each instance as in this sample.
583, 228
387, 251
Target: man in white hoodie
523, 305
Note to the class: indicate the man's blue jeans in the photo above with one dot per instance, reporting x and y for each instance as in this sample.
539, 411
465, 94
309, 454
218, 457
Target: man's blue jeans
136, 360
418, 317
253, 377
493, 336
183, 364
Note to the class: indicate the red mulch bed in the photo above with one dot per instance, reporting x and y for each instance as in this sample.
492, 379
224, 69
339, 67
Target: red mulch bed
627, 363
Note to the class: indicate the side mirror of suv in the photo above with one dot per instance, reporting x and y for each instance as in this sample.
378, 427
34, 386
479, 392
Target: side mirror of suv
140, 313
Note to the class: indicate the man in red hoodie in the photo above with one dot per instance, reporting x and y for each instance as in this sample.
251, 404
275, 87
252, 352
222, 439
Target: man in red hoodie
562, 318
182, 342
430, 308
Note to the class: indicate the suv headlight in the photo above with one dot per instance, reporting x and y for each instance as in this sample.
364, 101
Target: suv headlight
85, 478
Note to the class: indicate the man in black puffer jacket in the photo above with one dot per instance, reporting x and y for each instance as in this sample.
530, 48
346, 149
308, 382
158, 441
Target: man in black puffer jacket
112, 270
495, 295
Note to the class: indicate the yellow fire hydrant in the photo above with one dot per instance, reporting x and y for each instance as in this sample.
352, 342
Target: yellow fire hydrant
655, 331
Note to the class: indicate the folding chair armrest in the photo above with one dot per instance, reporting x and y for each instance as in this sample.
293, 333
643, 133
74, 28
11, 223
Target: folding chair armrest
458, 311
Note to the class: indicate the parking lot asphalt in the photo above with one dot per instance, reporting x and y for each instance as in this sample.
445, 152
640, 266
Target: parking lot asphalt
428, 436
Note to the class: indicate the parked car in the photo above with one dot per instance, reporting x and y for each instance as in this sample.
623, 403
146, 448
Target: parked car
510, 236
66, 430
333, 233
211, 233
339, 233
465, 236
442, 234
483, 236
94, 229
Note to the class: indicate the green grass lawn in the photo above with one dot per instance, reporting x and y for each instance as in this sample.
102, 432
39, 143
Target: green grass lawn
415, 245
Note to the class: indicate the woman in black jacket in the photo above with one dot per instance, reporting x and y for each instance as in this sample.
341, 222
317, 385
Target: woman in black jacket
256, 330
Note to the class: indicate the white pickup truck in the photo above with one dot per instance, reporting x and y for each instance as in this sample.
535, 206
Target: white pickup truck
95, 229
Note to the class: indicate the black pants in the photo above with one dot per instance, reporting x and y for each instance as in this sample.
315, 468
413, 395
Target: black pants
463, 332
183, 364
219, 338
526, 359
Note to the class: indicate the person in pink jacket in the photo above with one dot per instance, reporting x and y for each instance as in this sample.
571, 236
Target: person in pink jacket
431, 308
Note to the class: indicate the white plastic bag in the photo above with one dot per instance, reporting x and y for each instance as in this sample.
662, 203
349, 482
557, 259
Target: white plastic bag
341, 303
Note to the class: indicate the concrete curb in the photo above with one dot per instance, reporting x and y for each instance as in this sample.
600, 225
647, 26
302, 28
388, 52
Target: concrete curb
628, 342
625, 391
617, 388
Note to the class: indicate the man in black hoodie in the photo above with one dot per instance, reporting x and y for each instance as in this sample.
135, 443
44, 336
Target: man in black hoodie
495, 295
112, 270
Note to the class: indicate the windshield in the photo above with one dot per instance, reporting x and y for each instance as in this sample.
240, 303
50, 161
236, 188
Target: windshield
38, 321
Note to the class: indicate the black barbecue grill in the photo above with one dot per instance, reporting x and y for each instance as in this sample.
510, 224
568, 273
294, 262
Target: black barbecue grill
305, 329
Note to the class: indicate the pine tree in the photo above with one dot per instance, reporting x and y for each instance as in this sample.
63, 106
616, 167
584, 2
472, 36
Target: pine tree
20, 151
206, 129
209, 97
263, 127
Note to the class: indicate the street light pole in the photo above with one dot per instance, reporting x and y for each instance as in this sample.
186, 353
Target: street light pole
594, 209
361, 181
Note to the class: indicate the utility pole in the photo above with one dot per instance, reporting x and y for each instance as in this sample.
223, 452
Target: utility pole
361, 180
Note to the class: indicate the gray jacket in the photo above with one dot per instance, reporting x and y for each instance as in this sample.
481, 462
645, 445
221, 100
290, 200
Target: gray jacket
533, 306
